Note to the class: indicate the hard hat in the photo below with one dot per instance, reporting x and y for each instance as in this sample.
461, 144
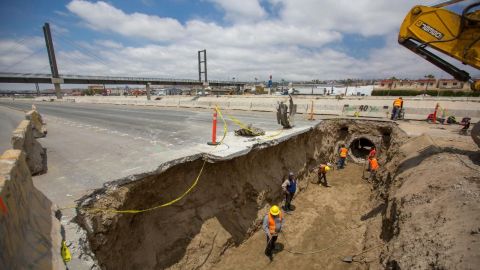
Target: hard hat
327, 168
290, 173
329, 164
274, 210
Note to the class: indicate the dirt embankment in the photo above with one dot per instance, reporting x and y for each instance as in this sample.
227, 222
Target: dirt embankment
429, 199
226, 206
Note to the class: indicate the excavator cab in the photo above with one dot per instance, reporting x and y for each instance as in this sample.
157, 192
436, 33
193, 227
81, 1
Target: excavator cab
457, 36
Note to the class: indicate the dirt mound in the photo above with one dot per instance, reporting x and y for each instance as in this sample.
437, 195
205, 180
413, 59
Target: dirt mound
429, 196
234, 193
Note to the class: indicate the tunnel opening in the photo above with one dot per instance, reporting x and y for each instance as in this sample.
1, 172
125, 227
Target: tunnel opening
360, 147
226, 207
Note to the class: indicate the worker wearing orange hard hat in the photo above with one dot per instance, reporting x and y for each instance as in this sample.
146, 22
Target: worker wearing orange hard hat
322, 174
272, 225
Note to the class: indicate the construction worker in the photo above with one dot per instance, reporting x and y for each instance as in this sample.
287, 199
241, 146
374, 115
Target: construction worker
373, 164
289, 188
371, 154
272, 225
397, 107
343, 156
322, 174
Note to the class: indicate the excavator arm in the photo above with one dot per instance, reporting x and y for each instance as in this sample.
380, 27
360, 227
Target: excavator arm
450, 33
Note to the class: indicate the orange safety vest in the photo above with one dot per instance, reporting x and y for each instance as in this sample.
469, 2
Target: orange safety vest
343, 152
271, 223
397, 103
373, 164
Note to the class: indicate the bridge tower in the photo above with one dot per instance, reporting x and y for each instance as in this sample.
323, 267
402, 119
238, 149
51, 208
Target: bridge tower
202, 59
56, 80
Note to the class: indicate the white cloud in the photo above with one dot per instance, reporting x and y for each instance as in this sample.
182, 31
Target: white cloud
58, 28
103, 16
364, 17
241, 11
26, 54
294, 46
109, 44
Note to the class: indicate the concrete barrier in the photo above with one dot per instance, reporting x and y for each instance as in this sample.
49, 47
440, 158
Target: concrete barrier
417, 108
38, 125
36, 156
30, 233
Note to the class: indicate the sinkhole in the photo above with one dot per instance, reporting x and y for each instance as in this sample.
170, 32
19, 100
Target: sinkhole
226, 205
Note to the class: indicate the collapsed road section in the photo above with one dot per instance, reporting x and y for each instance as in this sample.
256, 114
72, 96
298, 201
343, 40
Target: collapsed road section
235, 192
414, 214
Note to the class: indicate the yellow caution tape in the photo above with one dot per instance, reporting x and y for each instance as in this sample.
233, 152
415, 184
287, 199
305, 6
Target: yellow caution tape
65, 252
194, 184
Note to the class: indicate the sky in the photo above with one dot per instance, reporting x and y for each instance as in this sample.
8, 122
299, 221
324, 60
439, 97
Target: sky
244, 39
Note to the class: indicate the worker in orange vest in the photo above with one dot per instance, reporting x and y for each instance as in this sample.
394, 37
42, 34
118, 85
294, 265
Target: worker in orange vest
373, 164
397, 106
372, 154
272, 225
322, 174
343, 156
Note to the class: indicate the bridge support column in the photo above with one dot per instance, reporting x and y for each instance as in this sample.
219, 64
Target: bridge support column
56, 84
147, 88
58, 90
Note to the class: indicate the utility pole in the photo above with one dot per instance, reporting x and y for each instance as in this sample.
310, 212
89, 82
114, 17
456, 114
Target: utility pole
56, 80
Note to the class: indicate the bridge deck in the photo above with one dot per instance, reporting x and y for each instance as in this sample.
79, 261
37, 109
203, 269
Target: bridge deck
81, 79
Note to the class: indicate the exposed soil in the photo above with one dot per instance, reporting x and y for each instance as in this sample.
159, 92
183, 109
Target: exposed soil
235, 193
326, 225
421, 212
430, 198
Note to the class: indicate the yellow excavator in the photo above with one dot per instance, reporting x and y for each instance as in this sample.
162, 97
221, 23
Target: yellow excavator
456, 35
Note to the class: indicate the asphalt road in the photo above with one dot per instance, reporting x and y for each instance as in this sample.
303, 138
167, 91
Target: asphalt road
89, 144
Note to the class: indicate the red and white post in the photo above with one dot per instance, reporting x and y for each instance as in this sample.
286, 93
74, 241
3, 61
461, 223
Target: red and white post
214, 129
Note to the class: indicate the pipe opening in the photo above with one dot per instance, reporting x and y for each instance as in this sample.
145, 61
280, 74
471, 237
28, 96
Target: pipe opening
360, 147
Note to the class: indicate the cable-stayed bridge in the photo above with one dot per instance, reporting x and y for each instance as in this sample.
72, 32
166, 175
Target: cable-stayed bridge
57, 79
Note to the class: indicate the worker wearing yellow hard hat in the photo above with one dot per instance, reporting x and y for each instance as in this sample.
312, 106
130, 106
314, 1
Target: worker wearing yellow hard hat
272, 225
322, 174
